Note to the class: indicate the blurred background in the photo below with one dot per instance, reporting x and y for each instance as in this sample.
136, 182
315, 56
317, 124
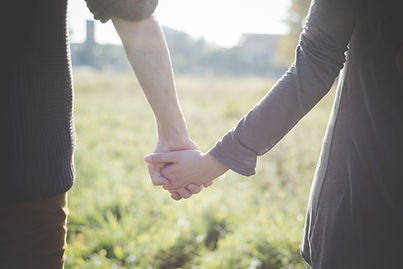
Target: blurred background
226, 56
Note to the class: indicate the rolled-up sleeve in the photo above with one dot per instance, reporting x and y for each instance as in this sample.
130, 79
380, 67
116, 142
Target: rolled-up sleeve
320, 56
132, 10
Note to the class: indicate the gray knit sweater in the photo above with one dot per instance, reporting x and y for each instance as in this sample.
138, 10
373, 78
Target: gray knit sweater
37, 97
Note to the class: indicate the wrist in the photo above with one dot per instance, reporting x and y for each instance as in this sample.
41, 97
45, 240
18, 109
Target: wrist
216, 166
173, 127
173, 143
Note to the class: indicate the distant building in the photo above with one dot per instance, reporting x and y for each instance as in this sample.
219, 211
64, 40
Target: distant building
260, 49
90, 41
83, 53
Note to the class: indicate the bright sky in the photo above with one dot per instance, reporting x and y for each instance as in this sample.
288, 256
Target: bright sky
218, 21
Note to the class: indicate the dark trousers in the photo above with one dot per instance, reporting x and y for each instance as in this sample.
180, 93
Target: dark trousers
33, 234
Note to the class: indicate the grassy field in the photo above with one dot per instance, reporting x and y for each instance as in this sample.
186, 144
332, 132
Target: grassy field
119, 220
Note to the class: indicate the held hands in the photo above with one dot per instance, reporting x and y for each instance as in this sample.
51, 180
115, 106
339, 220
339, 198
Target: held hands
170, 140
167, 145
184, 172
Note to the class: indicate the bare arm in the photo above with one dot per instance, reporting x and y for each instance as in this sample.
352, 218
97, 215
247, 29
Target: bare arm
148, 54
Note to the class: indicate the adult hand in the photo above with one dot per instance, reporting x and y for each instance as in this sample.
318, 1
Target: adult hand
166, 145
186, 167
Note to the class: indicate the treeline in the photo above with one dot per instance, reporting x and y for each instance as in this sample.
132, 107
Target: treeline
189, 56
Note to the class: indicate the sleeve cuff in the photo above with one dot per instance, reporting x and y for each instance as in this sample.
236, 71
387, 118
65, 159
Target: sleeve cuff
230, 152
131, 10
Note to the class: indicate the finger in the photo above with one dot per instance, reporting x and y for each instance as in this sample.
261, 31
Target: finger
166, 171
173, 183
193, 188
171, 186
207, 184
184, 193
176, 196
164, 174
167, 157
156, 178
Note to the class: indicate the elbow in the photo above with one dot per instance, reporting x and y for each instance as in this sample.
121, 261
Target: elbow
322, 49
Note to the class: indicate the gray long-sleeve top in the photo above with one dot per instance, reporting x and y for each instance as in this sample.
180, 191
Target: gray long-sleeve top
355, 210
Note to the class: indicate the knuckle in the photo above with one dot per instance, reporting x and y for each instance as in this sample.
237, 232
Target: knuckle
165, 172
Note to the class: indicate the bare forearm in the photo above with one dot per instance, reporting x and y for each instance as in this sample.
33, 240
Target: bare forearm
148, 54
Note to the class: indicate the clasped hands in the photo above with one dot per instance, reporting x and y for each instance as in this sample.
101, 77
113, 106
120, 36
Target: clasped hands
182, 169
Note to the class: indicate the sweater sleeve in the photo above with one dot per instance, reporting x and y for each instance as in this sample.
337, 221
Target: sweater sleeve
320, 55
132, 10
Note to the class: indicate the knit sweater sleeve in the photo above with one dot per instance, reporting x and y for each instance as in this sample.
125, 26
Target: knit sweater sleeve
132, 10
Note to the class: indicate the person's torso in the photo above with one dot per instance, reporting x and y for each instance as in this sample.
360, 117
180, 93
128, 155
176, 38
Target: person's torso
356, 208
37, 101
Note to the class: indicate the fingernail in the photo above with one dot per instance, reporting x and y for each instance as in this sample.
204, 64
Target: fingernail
148, 158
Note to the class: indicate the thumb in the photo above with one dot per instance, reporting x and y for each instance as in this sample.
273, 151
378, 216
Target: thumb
167, 157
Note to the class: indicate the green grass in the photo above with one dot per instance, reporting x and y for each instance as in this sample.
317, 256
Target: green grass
119, 220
